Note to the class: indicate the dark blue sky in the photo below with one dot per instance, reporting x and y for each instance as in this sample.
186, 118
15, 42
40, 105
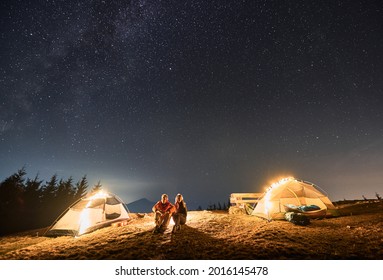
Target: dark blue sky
205, 98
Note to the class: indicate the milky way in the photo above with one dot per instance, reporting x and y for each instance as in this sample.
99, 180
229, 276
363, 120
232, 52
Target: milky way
205, 98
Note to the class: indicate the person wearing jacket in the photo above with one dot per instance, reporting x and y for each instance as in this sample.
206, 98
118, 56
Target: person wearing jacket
180, 214
163, 210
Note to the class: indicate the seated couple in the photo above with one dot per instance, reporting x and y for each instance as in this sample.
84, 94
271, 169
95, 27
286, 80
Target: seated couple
164, 210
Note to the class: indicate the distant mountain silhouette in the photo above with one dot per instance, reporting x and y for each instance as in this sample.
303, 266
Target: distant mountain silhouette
142, 205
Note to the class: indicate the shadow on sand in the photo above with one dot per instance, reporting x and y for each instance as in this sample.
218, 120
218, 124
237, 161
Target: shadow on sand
190, 244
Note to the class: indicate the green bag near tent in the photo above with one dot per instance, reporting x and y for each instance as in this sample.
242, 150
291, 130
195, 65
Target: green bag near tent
297, 218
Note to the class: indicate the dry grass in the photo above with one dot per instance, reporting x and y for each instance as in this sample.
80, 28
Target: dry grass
215, 235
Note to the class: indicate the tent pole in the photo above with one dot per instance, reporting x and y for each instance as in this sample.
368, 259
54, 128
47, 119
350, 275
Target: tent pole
294, 195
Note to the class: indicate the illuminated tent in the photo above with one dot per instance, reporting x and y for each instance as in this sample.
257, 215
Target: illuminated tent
280, 196
88, 214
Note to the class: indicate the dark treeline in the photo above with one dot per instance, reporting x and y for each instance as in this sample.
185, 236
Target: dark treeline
32, 203
218, 206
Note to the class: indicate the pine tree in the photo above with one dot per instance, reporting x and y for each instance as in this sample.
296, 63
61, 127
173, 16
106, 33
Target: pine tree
12, 202
33, 203
49, 190
81, 188
65, 193
96, 187
49, 209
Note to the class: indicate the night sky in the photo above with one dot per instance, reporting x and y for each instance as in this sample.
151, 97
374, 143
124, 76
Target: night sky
205, 98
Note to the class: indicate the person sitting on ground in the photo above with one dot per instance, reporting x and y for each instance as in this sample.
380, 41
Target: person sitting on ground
180, 214
163, 210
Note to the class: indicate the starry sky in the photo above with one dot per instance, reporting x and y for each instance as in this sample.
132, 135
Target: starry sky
205, 98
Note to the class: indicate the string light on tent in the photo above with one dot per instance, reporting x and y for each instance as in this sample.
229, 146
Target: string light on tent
280, 182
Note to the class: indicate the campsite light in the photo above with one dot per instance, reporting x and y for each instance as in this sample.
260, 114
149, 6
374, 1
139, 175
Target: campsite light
267, 203
268, 193
281, 182
85, 216
99, 194
89, 213
84, 220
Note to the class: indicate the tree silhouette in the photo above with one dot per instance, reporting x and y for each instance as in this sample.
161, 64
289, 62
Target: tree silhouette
48, 208
28, 203
96, 187
81, 188
12, 202
49, 190
33, 201
64, 194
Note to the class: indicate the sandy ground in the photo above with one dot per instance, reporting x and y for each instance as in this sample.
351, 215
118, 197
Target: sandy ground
215, 235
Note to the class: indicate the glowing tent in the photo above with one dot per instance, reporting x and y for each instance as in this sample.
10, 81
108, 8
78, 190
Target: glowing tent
88, 214
282, 195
